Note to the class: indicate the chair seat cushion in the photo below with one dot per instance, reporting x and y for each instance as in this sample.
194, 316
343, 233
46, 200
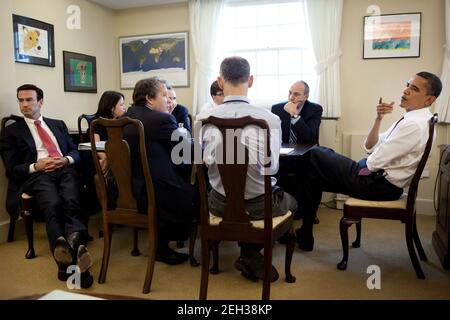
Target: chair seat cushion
397, 204
259, 224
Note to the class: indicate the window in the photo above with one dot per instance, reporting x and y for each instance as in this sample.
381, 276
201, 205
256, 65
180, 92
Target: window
273, 37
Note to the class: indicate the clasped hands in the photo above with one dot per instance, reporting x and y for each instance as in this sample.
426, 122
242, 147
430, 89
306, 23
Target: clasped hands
50, 164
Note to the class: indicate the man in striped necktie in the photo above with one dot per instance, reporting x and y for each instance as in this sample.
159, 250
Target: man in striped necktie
39, 154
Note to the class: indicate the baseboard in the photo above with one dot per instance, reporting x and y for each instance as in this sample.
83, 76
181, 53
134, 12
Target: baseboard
425, 207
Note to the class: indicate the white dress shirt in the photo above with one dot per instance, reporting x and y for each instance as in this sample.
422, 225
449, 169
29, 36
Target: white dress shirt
206, 110
237, 107
399, 149
40, 148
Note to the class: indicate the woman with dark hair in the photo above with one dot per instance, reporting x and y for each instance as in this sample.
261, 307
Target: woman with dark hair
110, 106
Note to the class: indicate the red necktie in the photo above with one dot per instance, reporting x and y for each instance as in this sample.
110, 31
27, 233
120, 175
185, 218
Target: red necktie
46, 140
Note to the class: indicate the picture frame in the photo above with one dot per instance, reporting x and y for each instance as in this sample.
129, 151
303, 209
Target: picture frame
34, 41
80, 72
392, 36
165, 55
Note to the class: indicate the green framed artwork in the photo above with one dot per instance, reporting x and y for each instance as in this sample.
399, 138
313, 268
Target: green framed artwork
80, 72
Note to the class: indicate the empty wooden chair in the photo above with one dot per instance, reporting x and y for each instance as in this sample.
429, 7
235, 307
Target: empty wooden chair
125, 211
403, 209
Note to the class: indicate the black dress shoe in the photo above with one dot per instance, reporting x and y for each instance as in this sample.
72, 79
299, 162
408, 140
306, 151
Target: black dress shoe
253, 269
171, 257
62, 253
304, 241
86, 280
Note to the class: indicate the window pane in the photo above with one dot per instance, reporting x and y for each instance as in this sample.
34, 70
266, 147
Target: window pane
291, 36
291, 13
245, 16
267, 87
274, 40
291, 61
267, 37
245, 39
268, 14
267, 62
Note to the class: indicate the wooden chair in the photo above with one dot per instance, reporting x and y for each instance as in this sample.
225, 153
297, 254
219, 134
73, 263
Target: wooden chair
89, 118
403, 209
235, 224
126, 212
26, 204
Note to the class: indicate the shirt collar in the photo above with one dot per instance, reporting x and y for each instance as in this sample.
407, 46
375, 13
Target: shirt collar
239, 98
419, 113
31, 121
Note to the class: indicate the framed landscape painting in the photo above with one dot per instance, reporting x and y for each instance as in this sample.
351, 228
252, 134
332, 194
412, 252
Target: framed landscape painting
392, 36
162, 55
80, 72
33, 41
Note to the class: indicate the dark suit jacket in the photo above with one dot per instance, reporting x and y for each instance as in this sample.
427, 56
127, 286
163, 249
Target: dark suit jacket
18, 151
173, 195
181, 115
306, 128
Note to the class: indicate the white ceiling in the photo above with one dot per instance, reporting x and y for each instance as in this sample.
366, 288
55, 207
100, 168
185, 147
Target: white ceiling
121, 4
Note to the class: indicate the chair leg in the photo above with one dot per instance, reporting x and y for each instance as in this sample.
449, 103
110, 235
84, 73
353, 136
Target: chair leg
343, 228
135, 251
267, 274
357, 242
192, 239
28, 222
290, 245
412, 252
417, 242
12, 227
151, 260
107, 237
205, 271
215, 254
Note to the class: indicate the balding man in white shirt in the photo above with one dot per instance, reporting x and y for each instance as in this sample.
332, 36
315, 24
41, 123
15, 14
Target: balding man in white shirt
394, 157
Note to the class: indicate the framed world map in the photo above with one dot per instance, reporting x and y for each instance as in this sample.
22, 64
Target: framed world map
163, 55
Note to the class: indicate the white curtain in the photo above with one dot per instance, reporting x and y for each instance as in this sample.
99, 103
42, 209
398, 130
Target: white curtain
443, 102
204, 21
324, 20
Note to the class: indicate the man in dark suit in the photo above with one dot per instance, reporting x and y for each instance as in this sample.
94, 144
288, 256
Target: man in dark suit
39, 154
300, 121
300, 118
180, 112
174, 196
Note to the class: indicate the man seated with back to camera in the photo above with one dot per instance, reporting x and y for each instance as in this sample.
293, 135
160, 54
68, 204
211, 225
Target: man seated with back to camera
235, 80
393, 157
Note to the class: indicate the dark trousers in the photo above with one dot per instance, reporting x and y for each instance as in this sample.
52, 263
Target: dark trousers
322, 169
57, 196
